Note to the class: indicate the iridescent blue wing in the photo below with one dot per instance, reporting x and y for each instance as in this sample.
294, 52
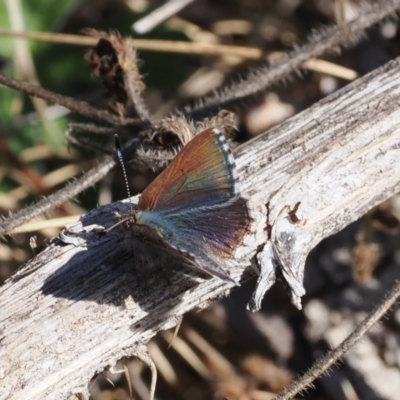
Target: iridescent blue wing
219, 229
205, 235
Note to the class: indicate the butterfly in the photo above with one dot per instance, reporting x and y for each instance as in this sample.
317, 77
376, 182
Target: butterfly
194, 206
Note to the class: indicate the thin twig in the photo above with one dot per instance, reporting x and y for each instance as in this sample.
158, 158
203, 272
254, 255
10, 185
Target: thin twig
58, 198
75, 128
258, 80
78, 106
325, 362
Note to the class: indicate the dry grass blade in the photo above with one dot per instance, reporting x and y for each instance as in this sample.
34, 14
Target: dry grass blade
195, 48
69, 191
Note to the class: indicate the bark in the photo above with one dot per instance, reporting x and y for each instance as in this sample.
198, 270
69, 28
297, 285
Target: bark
88, 300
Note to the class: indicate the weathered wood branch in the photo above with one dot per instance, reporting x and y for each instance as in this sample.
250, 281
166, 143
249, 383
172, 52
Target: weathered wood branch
77, 308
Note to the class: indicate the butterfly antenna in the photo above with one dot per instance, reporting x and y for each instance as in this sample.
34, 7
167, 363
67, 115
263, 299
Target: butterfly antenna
121, 160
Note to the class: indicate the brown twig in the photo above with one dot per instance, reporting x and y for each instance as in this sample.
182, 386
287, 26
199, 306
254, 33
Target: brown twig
78, 106
334, 37
325, 362
58, 198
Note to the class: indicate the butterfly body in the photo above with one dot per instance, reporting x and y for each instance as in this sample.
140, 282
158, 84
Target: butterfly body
194, 205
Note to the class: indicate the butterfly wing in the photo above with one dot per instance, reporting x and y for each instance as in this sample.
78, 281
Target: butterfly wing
202, 174
205, 235
194, 204
218, 230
